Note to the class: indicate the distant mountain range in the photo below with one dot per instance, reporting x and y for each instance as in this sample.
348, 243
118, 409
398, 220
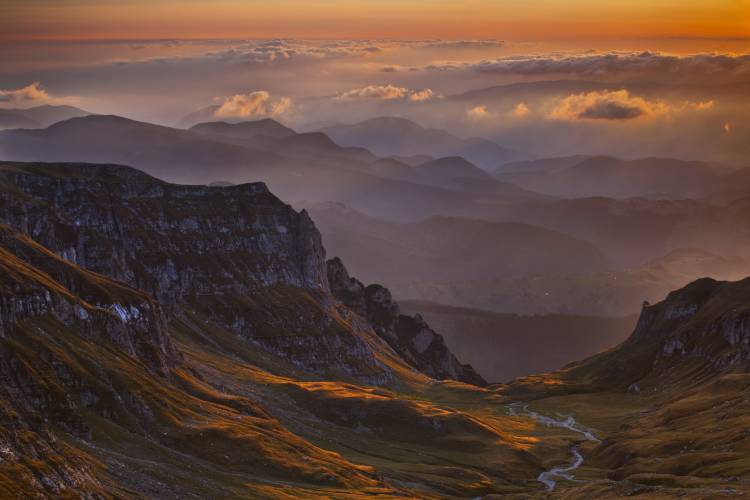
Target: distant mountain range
454, 234
452, 250
391, 136
38, 116
267, 151
612, 293
510, 267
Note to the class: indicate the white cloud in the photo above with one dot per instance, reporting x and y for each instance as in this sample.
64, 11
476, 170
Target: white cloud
258, 103
521, 110
479, 112
606, 105
33, 93
656, 64
701, 106
421, 95
385, 92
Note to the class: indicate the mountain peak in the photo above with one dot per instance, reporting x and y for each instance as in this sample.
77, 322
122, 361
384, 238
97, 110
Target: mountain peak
243, 130
396, 136
410, 336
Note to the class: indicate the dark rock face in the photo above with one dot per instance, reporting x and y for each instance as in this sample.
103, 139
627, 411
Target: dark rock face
697, 332
35, 283
237, 255
410, 336
707, 320
170, 240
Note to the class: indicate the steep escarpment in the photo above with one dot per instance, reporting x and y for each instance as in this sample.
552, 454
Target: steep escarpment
167, 239
212, 367
89, 377
410, 336
236, 256
35, 282
688, 360
671, 402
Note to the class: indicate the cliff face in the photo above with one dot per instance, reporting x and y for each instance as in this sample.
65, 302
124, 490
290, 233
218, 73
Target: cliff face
696, 333
92, 360
236, 256
707, 321
45, 302
410, 336
36, 283
172, 241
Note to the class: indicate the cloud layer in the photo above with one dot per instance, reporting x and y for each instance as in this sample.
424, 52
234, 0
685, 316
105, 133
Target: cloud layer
606, 105
386, 93
611, 64
255, 104
30, 94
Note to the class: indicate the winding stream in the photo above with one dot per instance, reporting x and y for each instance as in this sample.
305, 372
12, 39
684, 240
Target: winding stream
548, 478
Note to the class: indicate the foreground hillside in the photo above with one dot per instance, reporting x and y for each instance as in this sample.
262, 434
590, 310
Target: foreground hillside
174, 341
168, 341
673, 398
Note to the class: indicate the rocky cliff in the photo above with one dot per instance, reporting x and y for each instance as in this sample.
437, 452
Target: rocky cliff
410, 336
167, 239
696, 334
236, 256
35, 282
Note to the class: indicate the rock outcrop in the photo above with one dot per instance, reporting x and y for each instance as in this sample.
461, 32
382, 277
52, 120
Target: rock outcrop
34, 282
696, 333
237, 255
410, 336
167, 239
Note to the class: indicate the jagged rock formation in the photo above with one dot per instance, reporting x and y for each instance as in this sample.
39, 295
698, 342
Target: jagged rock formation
167, 239
697, 334
36, 282
410, 336
84, 356
237, 255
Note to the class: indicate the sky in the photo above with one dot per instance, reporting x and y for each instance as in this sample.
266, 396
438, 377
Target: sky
631, 78
509, 19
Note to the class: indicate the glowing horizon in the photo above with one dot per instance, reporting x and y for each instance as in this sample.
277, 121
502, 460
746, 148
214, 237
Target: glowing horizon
449, 19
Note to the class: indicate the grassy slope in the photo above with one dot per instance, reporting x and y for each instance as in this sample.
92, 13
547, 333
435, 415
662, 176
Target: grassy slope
230, 419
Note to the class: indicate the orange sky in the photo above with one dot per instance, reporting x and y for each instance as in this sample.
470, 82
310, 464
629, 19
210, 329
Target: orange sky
506, 19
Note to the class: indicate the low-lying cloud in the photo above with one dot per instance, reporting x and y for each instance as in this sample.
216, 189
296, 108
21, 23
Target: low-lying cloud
385, 92
270, 51
479, 112
706, 65
255, 104
606, 105
521, 110
33, 93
